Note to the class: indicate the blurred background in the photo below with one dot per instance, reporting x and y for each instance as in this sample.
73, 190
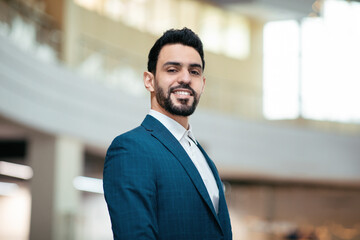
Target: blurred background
280, 114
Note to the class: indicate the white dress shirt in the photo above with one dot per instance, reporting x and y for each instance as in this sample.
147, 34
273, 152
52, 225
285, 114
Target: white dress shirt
187, 140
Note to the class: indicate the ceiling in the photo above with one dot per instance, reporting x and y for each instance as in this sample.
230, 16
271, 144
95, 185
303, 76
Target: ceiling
269, 10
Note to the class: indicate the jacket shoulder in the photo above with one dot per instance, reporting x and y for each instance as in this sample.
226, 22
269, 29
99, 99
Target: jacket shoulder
134, 136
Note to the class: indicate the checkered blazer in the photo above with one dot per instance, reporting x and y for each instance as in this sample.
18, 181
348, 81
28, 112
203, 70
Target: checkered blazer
154, 191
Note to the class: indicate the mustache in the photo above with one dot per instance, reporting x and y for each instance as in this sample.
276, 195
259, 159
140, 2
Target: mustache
183, 86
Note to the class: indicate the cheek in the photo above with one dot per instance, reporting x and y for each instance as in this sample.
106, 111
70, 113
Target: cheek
199, 88
165, 83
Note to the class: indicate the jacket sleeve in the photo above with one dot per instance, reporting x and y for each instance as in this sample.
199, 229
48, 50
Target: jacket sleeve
130, 190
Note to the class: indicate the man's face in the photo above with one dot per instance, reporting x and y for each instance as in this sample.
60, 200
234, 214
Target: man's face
179, 80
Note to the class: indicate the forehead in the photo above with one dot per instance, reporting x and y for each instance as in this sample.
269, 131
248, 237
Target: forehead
179, 53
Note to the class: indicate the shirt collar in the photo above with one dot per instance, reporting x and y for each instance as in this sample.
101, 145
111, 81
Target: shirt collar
173, 126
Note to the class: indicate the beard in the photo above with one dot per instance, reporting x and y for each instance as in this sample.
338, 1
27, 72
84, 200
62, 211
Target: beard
167, 103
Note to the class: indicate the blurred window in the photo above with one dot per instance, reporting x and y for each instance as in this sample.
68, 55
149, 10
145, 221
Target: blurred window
221, 31
211, 29
94, 5
327, 69
162, 16
331, 57
237, 37
189, 14
281, 70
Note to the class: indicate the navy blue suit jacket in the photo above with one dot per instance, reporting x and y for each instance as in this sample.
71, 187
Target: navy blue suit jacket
154, 191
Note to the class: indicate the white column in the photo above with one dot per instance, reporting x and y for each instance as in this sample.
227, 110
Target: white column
70, 33
56, 161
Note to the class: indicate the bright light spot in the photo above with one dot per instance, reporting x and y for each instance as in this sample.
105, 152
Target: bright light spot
211, 30
281, 69
330, 75
331, 53
16, 170
8, 189
88, 4
114, 9
237, 38
14, 212
88, 184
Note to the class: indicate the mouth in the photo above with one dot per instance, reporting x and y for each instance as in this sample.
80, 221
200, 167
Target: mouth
182, 93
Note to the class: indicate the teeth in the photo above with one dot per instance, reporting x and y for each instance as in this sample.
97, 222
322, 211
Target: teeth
182, 93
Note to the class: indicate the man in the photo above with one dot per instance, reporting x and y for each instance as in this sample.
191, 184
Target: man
158, 181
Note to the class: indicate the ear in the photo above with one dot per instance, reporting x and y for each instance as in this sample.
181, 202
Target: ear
203, 87
149, 81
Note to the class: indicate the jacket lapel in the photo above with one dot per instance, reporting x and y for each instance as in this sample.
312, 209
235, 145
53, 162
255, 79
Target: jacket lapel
223, 210
172, 144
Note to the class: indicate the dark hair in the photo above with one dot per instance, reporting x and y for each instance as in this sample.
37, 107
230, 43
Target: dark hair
184, 36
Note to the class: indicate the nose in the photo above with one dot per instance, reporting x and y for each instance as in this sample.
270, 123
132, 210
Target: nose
185, 77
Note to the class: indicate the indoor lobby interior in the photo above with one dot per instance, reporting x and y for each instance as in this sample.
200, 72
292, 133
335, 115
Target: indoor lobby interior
280, 114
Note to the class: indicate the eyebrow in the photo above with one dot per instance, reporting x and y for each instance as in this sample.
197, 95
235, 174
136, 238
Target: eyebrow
179, 64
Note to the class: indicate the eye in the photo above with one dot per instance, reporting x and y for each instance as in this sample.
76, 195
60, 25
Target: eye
171, 70
195, 72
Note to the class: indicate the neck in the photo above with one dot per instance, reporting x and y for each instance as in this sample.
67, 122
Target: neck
182, 120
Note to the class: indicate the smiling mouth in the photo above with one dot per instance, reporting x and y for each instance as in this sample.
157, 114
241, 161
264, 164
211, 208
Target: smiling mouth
182, 93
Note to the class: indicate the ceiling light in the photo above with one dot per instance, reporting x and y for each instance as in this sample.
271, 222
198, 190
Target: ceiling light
88, 184
16, 170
